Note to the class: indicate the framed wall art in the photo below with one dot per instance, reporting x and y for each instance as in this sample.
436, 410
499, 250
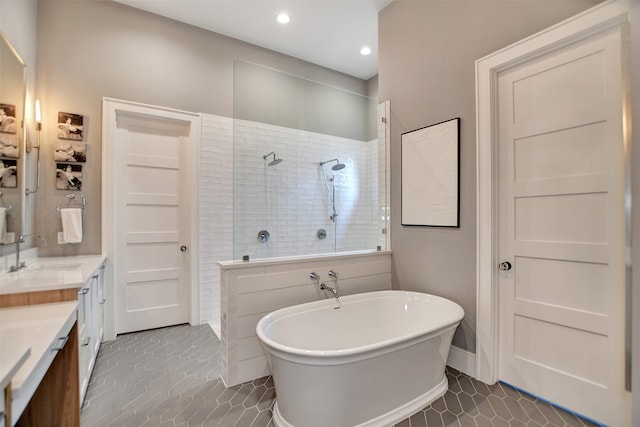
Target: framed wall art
8, 122
9, 145
70, 126
8, 173
69, 151
431, 175
68, 176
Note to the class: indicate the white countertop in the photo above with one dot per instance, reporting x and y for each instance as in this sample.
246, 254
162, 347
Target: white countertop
34, 328
11, 359
51, 273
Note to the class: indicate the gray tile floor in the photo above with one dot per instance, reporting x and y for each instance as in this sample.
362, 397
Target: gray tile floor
171, 377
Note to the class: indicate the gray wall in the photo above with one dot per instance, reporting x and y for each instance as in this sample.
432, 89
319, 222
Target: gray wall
91, 49
265, 95
427, 60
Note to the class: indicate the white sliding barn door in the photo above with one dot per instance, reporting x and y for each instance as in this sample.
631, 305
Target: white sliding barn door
562, 228
152, 225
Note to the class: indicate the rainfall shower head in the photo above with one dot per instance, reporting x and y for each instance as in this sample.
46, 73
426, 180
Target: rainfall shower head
274, 161
335, 167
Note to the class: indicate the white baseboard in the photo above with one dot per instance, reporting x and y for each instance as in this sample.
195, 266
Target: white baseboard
462, 360
216, 328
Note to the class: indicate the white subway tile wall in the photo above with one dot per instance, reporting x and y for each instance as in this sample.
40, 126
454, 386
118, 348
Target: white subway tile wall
216, 211
291, 200
251, 290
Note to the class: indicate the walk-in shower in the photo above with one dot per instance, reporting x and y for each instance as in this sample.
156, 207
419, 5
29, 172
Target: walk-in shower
302, 214
275, 160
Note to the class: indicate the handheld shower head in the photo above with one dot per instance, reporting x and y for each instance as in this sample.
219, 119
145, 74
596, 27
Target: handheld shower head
335, 167
274, 161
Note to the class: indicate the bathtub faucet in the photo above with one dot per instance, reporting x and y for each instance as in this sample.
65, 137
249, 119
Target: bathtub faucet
324, 287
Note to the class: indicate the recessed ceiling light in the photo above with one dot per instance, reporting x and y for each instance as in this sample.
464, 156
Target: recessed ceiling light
365, 50
283, 18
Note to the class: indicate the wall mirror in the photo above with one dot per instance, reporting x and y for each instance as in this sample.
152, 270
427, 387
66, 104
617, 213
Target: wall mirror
12, 137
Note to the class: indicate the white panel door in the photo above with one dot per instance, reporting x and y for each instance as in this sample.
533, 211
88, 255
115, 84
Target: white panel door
153, 222
561, 222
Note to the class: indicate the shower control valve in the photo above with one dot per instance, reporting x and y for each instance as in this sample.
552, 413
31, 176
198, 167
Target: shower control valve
333, 274
263, 236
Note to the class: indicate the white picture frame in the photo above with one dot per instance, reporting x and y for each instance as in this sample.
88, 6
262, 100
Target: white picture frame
430, 158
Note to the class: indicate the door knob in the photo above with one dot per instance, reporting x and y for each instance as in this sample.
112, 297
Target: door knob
504, 266
183, 248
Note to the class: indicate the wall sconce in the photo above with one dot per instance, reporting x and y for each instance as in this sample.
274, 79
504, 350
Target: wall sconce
38, 115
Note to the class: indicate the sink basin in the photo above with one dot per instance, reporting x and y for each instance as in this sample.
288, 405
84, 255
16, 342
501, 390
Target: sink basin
51, 267
46, 269
49, 273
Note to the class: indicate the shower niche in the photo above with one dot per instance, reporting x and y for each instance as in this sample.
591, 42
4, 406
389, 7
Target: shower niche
328, 173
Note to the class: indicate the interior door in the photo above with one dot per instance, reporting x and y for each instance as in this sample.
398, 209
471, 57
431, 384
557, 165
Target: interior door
562, 225
152, 221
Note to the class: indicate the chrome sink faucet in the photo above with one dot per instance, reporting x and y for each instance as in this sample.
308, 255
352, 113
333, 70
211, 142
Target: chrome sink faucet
20, 265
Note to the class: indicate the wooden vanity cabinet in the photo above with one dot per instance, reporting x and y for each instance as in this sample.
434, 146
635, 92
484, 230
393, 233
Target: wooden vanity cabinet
56, 401
80, 352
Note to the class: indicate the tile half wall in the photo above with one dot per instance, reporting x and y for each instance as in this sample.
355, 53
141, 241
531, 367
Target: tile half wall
251, 290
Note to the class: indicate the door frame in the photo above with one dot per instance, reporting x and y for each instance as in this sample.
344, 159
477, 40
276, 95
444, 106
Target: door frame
602, 17
110, 108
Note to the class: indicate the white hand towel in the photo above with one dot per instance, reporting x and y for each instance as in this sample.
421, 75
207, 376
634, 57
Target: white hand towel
3, 224
71, 225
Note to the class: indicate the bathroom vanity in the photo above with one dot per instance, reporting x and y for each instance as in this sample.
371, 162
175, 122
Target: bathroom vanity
43, 390
51, 326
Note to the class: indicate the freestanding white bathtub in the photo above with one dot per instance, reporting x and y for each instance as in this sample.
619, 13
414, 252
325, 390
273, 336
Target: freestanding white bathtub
369, 359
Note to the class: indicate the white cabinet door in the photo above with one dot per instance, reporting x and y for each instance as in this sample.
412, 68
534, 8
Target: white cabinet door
97, 306
85, 326
90, 326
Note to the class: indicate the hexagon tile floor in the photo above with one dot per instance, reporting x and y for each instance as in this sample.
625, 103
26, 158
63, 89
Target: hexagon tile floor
170, 377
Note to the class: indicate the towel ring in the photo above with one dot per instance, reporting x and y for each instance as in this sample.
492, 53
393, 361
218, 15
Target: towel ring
72, 196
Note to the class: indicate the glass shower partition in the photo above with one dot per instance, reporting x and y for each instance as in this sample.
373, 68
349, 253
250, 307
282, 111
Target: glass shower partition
307, 167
